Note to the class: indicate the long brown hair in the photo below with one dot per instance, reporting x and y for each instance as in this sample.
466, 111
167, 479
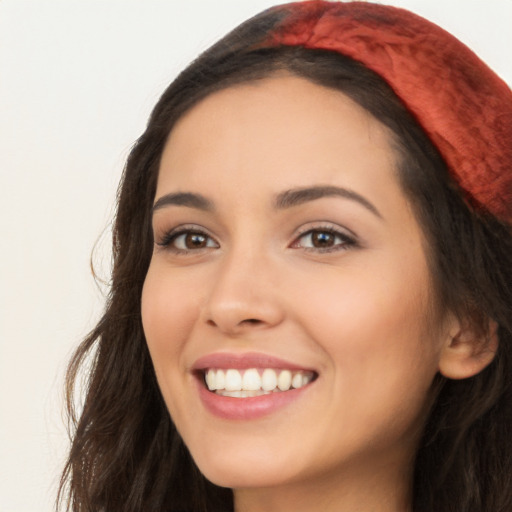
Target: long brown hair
126, 454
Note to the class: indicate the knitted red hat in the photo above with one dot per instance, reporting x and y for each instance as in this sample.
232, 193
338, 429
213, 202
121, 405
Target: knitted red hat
461, 104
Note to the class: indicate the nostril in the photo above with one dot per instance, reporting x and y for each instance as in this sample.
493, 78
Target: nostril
251, 321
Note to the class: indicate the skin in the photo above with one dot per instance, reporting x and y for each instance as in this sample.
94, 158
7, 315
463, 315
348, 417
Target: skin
359, 312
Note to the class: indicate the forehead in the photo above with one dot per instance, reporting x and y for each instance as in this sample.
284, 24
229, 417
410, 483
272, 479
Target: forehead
283, 130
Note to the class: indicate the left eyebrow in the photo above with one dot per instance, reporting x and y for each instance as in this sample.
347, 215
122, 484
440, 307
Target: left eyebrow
298, 196
188, 199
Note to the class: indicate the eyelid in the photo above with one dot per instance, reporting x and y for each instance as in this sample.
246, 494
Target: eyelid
348, 237
327, 226
168, 236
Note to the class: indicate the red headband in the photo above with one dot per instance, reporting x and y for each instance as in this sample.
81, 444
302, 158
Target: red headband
462, 105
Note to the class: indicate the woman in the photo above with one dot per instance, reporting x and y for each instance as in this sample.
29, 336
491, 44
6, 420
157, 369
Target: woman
311, 293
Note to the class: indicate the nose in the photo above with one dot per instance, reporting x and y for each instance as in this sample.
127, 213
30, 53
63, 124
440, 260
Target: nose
244, 295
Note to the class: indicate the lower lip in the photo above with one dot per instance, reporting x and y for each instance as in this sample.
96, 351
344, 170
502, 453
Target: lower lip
249, 408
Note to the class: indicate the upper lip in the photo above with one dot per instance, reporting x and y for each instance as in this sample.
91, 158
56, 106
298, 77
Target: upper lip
244, 361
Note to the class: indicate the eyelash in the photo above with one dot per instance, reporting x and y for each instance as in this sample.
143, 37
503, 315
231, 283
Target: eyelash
169, 238
347, 241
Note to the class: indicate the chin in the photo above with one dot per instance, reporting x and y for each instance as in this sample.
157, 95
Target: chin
243, 470
243, 478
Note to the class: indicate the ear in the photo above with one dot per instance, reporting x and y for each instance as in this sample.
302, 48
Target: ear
468, 350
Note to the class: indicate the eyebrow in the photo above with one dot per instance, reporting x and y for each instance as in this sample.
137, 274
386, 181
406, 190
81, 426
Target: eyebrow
284, 200
184, 199
298, 196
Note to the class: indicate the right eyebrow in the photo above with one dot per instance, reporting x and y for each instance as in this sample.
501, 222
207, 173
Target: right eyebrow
184, 199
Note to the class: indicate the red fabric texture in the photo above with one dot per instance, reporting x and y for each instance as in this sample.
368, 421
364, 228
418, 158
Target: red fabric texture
461, 104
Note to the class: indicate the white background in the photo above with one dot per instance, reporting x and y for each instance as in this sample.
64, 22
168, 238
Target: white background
77, 81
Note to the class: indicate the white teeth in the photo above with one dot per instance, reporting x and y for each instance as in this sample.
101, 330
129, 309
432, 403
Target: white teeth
254, 382
211, 379
251, 380
244, 393
233, 381
284, 380
268, 380
297, 380
220, 380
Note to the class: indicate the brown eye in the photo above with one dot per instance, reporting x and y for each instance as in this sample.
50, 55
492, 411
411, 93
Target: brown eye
321, 239
186, 241
324, 240
195, 240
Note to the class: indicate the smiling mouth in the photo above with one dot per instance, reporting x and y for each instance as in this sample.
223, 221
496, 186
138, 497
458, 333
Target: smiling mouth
255, 381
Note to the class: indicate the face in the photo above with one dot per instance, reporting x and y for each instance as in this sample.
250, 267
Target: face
289, 271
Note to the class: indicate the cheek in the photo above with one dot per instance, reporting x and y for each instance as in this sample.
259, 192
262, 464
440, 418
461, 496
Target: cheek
168, 307
373, 328
381, 356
